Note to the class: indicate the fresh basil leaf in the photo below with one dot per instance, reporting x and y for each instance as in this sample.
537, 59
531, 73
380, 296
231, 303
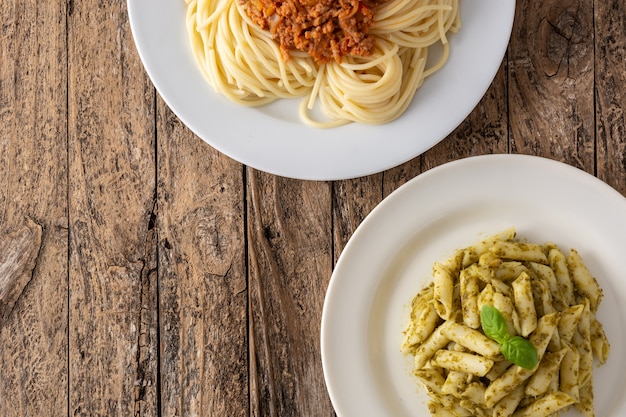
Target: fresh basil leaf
493, 324
520, 351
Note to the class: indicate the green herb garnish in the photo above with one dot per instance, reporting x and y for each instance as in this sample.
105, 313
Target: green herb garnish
493, 324
516, 349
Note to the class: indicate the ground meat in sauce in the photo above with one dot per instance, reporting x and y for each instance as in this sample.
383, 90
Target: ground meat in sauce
326, 29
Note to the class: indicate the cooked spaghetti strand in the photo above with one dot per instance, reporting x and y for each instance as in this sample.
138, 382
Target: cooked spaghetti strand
246, 64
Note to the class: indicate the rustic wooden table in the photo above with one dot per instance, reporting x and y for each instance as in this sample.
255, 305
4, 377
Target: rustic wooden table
144, 273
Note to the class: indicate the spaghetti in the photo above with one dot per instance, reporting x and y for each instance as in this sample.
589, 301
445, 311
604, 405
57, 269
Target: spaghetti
246, 64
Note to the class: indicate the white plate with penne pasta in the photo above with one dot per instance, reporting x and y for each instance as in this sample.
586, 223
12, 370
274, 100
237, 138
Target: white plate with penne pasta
489, 286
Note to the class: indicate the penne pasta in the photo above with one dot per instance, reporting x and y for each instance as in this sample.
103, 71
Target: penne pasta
490, 261
582, 341
585, 402
583, 281
475, 394
505, 329
519, 251
455, 383
426, 350
462, 362
431, 379
569, 371
498, 369
599, 343
542, 298
505, 305
513, 377
443, 291
485, 245
545, 274
508, 404
568, 323
469, 299
473, 340
454, 263
509, 270
546, 405
454, 404
469, 257
516, 375
558, 263
546, 326
423, 323
437, 409
548, 369
524, 303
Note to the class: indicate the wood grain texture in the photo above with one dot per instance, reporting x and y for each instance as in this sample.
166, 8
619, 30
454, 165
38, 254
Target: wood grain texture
18, 257
610, 82
202, 276
113, 315
290, 262
155, 276
551, 81
353, 200
33, 195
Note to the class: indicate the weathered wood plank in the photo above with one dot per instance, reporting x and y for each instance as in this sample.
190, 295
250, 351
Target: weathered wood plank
223, 265
353, 200
33, 184
112, 303
18, 258
610, 81
290, 263
202, 276
551, 81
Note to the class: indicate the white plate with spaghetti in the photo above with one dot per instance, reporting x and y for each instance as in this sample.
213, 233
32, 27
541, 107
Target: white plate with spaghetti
390, 257
273, 138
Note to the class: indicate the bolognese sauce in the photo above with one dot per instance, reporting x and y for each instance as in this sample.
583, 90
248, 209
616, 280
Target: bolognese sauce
326, 29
